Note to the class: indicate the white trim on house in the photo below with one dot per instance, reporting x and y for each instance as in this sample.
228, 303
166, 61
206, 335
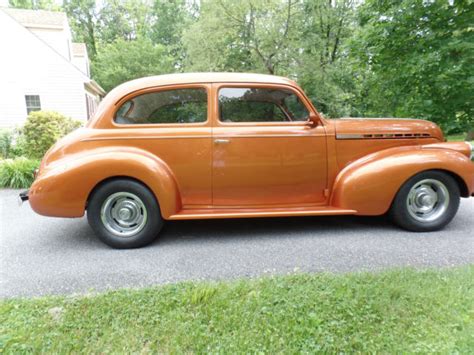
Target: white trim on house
41, 62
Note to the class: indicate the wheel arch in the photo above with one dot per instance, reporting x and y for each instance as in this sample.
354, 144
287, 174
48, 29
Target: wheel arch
370, 184
63, 189
463, 189
115, 178
458, 179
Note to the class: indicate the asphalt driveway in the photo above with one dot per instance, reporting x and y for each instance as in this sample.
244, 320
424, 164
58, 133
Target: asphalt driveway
41, 255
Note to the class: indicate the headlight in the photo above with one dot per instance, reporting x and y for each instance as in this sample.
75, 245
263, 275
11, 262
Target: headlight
472, 150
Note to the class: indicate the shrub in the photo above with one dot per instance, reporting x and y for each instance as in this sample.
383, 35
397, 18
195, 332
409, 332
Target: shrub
18, 147
42, 129
6, 143
470, 135
17, 173
11, 144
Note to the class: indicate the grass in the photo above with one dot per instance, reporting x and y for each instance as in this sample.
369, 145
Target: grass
396, 311
457, 138
17, 173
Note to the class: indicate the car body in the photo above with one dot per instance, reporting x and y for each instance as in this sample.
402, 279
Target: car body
202, 145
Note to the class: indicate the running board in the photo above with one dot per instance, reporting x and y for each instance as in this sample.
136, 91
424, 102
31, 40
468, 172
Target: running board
251, 213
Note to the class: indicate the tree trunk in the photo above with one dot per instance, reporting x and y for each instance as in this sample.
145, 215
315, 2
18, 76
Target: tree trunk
470, 135
91, 34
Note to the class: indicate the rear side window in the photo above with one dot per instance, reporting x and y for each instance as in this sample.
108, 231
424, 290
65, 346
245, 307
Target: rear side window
170, 106
260, 105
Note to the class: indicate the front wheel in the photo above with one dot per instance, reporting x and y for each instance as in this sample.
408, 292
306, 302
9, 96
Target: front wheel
426, 202
124, 214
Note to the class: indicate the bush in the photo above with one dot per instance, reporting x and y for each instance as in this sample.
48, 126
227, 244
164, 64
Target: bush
42, 129
6, 143
18, 147
11, 144
17, 173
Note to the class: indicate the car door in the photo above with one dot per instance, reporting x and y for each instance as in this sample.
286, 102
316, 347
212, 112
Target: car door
266, 153
173, 123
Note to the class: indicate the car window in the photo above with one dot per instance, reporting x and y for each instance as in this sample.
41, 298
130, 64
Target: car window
170, 106
260, 105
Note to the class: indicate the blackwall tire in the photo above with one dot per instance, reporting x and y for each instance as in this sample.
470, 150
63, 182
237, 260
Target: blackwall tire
124, 214
426, 202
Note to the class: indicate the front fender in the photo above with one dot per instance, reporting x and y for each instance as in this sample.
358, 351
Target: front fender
369, 185
63, 186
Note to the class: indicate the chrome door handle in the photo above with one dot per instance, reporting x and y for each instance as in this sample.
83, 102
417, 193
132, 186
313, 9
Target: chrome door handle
221, 141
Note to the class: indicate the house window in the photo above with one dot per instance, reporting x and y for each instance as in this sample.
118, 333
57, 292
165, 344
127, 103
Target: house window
91, 105
33, 103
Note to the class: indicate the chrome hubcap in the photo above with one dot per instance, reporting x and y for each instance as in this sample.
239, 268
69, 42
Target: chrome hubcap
428, 200
123, 214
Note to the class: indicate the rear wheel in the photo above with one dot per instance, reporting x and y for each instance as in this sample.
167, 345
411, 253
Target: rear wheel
124, 214
426, 202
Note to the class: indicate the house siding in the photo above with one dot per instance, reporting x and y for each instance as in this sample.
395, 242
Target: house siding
81, 63
56, 38
28, 66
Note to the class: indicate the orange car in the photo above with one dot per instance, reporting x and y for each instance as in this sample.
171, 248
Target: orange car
228, 145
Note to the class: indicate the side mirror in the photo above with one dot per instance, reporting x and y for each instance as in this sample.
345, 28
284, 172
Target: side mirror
313, 119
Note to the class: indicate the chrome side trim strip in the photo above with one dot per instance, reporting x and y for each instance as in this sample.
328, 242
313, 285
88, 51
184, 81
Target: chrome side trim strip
349, 136
383, 136
144, 137
266, 135
203, 137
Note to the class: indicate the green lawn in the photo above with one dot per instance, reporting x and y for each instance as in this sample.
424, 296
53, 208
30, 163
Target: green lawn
456, 137
395, 311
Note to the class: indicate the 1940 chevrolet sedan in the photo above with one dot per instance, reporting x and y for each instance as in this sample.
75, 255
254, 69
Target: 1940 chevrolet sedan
223, 145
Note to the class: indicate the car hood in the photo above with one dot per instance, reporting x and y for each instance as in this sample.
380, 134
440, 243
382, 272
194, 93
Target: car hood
386, 128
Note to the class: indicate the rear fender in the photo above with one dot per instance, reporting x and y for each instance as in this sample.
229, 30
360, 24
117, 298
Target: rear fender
63, 186
369, 185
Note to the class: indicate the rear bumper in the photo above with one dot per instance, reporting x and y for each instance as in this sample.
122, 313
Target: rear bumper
23, 196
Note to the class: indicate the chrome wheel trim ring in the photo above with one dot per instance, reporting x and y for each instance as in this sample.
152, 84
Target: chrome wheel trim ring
428, 200
123, 214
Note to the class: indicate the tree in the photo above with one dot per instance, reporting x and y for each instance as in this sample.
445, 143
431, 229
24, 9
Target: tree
35, 4
375, 58
83, 17
126, 19
126, 60
421, 58
300, 39
326, 25
323, 68
251, 35
169, 20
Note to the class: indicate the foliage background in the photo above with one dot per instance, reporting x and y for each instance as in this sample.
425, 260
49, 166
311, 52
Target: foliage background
390, 58
42, 129
21, 149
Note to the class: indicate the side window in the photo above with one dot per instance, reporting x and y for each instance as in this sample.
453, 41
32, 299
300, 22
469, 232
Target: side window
260, 105
170, 106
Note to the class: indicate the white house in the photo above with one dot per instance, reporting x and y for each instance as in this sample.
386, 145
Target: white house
40, 67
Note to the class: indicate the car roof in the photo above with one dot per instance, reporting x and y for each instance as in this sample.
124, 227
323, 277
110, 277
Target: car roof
194, 78
113, 97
